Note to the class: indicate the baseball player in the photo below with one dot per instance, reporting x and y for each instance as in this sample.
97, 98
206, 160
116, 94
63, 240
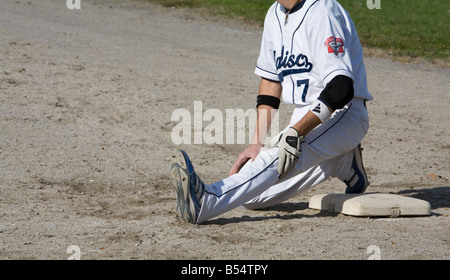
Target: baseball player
310, 57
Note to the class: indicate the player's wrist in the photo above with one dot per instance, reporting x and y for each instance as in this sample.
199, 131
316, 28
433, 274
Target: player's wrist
320, 109
296, 129
257, 143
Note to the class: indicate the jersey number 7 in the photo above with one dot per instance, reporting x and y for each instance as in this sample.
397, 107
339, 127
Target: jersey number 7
305, 84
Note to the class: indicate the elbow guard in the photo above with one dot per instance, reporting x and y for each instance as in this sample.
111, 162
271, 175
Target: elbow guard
338, 92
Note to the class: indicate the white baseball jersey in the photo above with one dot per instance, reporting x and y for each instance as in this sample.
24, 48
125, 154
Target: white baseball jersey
316, 43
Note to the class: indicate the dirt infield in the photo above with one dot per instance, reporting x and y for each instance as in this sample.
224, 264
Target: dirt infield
86, 98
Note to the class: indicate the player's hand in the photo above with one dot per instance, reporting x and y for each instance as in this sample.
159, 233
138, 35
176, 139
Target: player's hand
249, 153
289, 150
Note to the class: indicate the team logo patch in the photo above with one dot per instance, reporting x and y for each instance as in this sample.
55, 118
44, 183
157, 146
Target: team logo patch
335, 45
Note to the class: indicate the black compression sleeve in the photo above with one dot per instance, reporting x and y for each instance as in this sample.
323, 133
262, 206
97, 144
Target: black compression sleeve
338, 92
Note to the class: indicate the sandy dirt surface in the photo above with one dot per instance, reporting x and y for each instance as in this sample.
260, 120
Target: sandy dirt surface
86, 98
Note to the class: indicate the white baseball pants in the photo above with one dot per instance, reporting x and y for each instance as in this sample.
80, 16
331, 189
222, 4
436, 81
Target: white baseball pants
326, 152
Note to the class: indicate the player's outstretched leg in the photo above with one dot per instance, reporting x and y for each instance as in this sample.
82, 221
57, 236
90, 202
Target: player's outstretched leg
189, 187
357, 181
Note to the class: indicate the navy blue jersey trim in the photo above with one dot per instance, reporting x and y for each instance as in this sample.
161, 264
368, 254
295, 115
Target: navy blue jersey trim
241, 184
275, 74
298, 6
293, 91
292, 46
346, 70
279, 23
331, 125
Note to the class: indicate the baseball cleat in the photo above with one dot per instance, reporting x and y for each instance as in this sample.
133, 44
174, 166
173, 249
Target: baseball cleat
357, 182
189, 187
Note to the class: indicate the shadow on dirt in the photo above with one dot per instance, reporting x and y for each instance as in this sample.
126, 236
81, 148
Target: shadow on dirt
286, 211
438, 197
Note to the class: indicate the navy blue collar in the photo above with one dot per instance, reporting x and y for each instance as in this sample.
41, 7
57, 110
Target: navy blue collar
296, 7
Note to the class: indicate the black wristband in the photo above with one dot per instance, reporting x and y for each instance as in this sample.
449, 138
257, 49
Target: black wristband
269, 100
